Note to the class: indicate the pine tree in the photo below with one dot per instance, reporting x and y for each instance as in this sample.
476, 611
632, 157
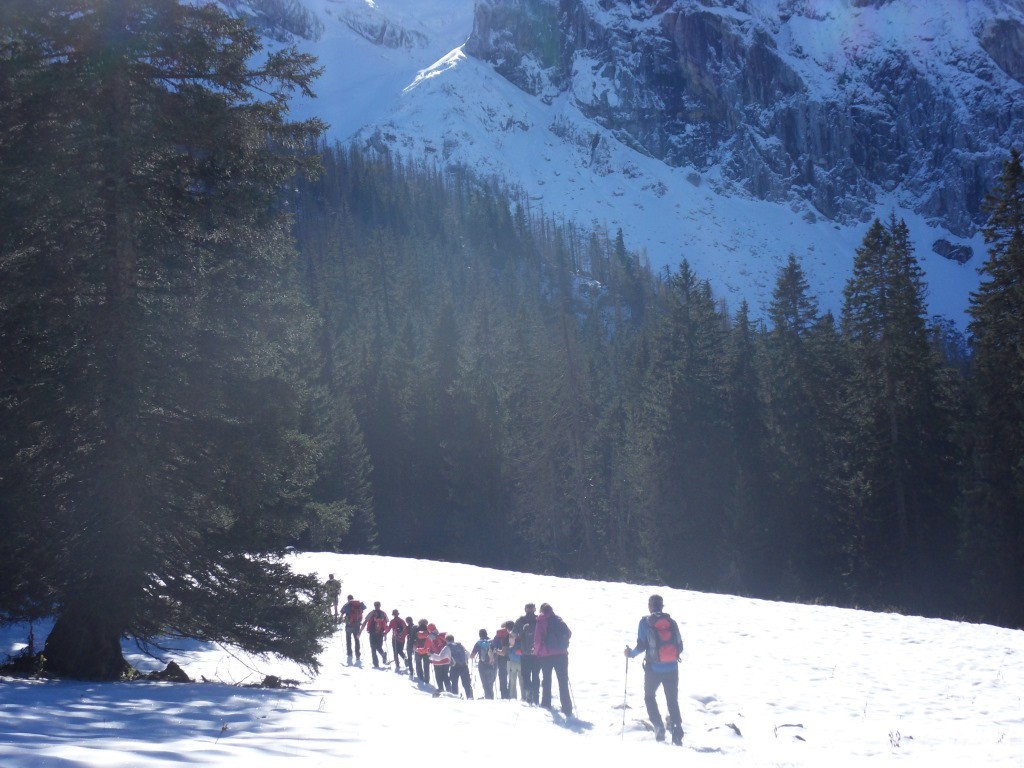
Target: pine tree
153, 410
904, 459
994, 533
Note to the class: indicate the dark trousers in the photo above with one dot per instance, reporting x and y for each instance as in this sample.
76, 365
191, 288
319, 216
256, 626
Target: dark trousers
410, 652
461, 672
487, 674
670, 680
423, 667
502, 669
531, 683
560, 666
397, 647
352, 631
377, 648
444, 681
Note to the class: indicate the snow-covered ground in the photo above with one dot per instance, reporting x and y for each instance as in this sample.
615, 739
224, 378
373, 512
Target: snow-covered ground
762, 684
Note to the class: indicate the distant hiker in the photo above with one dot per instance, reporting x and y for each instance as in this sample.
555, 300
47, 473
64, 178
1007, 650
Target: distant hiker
333, 589
376, 625
397, 628
441, 659
483, 651
551, 647
423, 650
459, 670
658, 637
352, 612
524, 629
515, 667
410, 642
499, 648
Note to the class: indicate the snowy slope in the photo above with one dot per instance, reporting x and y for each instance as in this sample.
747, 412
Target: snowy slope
762, 684
396, 77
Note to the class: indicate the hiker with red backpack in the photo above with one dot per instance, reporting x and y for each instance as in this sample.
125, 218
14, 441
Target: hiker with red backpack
441, 658
500, 648
376, 625
658, 638
352, 612
551, 647
398, 630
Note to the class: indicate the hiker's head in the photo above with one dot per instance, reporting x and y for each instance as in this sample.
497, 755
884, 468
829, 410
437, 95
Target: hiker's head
530, 608
377, 605
350, 597
483, 634
655, 603
395, 613
509, 625
422, 624
546, 609
330, 576
449, 638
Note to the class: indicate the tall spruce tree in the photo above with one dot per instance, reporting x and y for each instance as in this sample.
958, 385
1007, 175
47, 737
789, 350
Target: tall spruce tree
153, 451
994, 532
903, 456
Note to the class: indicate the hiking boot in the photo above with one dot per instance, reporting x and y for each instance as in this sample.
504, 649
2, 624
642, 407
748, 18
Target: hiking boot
677, 736
659, 732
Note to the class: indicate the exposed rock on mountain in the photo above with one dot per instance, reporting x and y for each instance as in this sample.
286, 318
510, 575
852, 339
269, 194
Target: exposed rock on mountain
833, 103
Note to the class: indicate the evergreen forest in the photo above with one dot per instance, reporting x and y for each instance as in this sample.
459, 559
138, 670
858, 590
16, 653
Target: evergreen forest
221, 338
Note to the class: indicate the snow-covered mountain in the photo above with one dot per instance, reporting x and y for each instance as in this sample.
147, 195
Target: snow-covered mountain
727, 132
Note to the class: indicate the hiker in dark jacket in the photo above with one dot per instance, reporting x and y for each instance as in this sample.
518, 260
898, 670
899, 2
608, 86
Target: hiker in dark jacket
524, 629
377, 624
410, 642
352, 612
659, 639
483, 652
551, 648
459, 671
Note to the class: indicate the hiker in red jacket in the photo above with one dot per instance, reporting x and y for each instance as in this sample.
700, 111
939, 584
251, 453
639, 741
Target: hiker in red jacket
441, 659
398, 631
377, 624
500, 646
423, 650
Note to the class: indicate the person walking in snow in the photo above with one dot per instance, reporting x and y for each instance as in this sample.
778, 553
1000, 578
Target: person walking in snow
500, 649
333, 589
410, 642
423, 650
524, 629
397, 628
515, 667
551, 648
459, 670
483, 652
659, 639
376, 625
352, 612
441, 659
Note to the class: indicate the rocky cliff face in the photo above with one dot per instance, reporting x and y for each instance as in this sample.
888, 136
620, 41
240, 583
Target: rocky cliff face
834, 103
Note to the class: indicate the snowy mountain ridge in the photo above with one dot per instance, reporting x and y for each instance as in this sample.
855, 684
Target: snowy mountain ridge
727, 132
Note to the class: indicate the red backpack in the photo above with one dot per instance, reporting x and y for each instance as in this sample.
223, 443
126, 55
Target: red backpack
355, 612
668, 644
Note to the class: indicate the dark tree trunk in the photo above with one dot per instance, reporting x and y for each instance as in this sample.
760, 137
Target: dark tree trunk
84, 645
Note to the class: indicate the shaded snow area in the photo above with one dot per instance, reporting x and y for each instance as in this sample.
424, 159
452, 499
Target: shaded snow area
761, 684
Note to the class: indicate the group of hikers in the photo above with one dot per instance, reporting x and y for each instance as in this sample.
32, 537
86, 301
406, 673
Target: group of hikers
523, 656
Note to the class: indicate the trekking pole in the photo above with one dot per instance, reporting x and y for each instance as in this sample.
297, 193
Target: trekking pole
625, 694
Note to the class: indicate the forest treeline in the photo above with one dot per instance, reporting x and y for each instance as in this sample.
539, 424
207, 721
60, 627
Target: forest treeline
526, 394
